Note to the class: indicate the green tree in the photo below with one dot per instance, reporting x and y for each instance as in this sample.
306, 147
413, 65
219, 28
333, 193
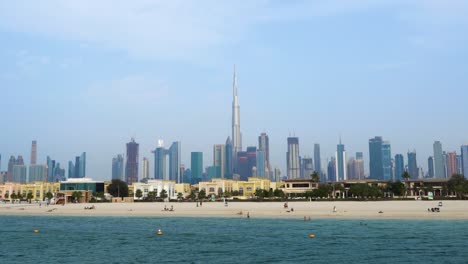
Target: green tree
19, 196
235, 193
7, 195
151, 196
76, 195
139, 194
49, 195
278, 193
459, 185
180, 196
29, 196
163, 194
397, 188
259, 193
192, 195
202, 194
118, 188
13, 196
406, 176
315, 177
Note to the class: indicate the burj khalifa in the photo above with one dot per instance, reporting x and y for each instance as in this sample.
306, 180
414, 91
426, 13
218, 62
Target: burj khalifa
236, 134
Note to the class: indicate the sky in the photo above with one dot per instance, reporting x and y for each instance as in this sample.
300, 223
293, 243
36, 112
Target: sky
86, 76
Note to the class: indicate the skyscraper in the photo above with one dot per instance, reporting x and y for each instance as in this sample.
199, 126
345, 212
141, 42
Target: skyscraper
292, 158
413, 169
196, 167
174, 162
464, 154
145, 169
160, 161
118, 167
37, 173
387, 161
277, 177
243, 169
261, 163
79, 168
19, 173
229, 161
307, 167
341, 162
71, 170
34, 152
430, 167
264, 145
331, 170
11, 163
82, 166
219, 158
359, 165
451, 164
439, 167
317, 161
375, 158
131, 166
236, 134
399, 166
251, 159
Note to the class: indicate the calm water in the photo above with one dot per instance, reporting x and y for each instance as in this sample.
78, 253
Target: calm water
219, 240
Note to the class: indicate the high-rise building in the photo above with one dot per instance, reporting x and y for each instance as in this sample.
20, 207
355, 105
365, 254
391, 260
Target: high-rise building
464, 155
50, 169
19, 173
439, 167
34, 152
292, 158
399, 167
71, 170
79, 168
451, 164
37, 173
261, 163
131, 165
196, 167
264, 145
376, 159
360, 165
11, 163
236, 133
317, 160
307, 167
251, 160
459, 165
229, 162
182, 173
243, 169
219, 158
277, 177
145, 169
174, 162
413, 169
160, 161
430, 167
341, 162
118, 167
387, 161
331, 170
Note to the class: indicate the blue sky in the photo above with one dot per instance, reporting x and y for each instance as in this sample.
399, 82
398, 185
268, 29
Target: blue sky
86, 76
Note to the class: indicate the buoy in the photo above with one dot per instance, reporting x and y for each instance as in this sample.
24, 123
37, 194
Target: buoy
311, 236
36, 230
159, 232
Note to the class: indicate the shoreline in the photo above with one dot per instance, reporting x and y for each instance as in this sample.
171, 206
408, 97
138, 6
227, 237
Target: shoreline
349, 210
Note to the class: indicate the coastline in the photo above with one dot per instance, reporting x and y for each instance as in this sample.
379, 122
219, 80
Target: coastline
391, 210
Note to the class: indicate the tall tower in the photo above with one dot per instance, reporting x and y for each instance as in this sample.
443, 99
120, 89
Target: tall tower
292, 158
131, 168
264, 145
464, 154
341, 162
376, 158
387, 161
236, 134
145, 168
413, 165
439, 170
34, 152
219, 158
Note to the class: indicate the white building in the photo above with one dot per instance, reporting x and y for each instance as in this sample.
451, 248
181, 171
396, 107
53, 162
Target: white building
155, 186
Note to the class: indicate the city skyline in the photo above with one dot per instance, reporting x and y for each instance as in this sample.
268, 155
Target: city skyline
317, 85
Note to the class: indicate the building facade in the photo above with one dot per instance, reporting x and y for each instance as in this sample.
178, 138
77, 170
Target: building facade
131, 165
292, 158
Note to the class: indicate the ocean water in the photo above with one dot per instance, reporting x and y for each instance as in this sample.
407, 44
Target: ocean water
229, 240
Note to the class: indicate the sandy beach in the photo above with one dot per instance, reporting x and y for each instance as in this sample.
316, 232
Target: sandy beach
314, 210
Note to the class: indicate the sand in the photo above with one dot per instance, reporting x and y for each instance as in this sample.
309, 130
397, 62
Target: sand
314, 210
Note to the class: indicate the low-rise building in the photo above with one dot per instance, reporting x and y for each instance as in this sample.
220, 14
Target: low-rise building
38, 189
154, 186
82, 184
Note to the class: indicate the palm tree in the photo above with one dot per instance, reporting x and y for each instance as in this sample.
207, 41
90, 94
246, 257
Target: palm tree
76, 195
180, 196
315, 177
29, 196
406, 176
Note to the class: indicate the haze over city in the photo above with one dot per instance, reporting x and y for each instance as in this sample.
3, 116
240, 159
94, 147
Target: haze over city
86, 77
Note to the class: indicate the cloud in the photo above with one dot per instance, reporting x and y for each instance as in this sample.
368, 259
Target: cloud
185, 29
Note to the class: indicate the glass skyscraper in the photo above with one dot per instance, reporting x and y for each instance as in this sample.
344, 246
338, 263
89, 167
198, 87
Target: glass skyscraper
439, 163
292, 158
261, 163
37, 173
430, 167
229, 161
464, 157
118, 167
219, 158
399, 166
317, 160
174, 162
341, 162
196, 167
413, 169
387, 161
160, 163
375, 158
131, 166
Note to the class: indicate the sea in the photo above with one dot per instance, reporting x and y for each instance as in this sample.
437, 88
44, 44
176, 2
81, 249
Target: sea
72, 240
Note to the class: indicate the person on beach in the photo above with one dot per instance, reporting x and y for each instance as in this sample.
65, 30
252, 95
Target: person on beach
334, 209
248, 215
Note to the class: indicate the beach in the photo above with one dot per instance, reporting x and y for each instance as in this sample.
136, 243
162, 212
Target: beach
452, 210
